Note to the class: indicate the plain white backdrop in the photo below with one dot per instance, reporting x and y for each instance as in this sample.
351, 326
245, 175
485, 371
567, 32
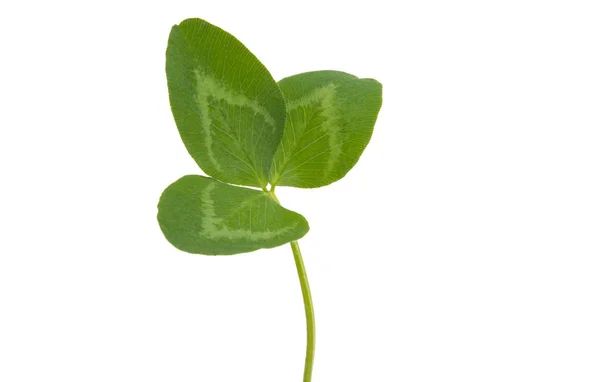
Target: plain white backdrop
464, 246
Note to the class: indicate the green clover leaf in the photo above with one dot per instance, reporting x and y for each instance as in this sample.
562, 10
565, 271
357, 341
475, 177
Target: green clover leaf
330, 119
202, 215
245, 130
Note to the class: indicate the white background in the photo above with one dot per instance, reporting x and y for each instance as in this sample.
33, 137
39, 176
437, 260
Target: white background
464, 246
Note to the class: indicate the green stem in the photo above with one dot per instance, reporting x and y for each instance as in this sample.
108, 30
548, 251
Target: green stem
308, 305
310, 313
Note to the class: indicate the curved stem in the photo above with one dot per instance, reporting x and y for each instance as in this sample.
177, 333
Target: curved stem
308, 305
310, 313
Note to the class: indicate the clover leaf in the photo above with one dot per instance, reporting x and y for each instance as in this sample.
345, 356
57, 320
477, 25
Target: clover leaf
202, 215
228, 109
251, 134
330, 119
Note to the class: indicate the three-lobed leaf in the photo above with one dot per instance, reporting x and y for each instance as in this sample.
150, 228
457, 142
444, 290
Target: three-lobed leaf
229, 110
202, 215
241, 127
330, 120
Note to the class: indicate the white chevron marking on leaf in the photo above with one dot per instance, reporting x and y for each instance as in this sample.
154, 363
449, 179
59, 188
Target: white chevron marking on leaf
215, 228
325, 97
207, 88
